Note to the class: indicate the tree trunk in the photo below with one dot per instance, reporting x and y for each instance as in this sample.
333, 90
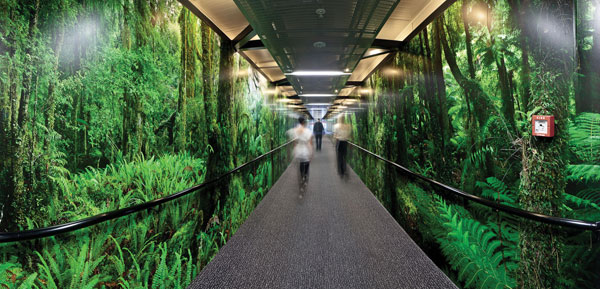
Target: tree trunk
390, 118
438, 73
587, 94
544, 159
225, 104
143, 38
50, 102
481, 112
210, 100
188, 75
220, 159
471, 88
126, 44
468, 44
508, 104
521, 10
19, 128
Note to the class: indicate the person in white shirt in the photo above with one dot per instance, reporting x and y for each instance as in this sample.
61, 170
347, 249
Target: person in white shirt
303, 150
341, 132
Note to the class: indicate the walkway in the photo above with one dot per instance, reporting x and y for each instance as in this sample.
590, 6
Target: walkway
337, 236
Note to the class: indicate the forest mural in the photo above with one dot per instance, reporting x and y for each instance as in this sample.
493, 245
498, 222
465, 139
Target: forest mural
456, 103
107, 104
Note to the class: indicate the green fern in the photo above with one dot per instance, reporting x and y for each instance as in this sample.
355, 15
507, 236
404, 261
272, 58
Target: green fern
585, 137
473, 250
496, 190
28, 283
47, 275
581, 202
583, 173
7, 270
118, 260
161, 274
591, 194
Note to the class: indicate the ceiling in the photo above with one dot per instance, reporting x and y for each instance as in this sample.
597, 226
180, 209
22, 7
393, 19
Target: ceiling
283, 37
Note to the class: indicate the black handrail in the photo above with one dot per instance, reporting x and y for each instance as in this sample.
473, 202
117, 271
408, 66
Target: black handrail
578, 224
83, 223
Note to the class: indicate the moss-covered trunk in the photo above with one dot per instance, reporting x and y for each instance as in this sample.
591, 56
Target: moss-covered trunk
187, 82
544, 160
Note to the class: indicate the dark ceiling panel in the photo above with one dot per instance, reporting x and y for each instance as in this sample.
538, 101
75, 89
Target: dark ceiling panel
317, 35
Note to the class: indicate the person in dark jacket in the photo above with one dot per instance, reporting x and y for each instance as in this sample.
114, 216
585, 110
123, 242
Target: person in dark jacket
318, 132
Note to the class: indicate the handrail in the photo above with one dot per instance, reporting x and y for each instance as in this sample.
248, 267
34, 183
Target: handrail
83, 223
578, 224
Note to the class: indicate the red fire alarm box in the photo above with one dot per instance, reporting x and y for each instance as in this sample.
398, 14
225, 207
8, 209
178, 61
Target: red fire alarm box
542, 125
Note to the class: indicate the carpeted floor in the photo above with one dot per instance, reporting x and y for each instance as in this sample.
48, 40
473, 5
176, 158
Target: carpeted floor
337, 236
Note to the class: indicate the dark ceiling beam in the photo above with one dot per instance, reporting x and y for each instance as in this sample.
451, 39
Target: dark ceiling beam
188, 4
391, 45
244, 36
354, 83
281, 82
251, 45
387, 44
285, 82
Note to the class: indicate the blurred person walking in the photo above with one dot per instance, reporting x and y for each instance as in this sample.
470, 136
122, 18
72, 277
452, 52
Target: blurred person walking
303, 150
341, 132
318, 132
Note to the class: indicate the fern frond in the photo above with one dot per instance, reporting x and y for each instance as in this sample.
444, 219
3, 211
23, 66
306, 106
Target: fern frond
581, 201
583, 173
585, 137
473, 250
158, 281
496, 190
28, 283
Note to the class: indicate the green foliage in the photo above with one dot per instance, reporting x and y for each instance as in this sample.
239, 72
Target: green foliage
116, 93
497, 71
474, 251
496, 190
581, 202
585, 137
141, 251
583, 173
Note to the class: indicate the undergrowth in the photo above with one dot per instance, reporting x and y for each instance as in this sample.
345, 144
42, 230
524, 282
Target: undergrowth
164, 247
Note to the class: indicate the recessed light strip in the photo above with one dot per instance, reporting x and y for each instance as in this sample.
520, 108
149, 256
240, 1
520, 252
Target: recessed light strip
317, 73
317, 95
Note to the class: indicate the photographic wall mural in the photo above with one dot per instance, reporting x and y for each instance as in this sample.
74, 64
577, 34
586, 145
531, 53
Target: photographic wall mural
456, 104
108, 104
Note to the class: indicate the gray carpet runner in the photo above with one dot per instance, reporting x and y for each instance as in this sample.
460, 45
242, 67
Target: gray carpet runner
336, 236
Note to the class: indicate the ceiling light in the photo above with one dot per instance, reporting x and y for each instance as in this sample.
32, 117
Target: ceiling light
270, 91
317, 73
319, 44
317, 95
376, 51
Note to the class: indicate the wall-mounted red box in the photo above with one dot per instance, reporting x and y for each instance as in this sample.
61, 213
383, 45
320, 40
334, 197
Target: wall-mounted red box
542, 125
